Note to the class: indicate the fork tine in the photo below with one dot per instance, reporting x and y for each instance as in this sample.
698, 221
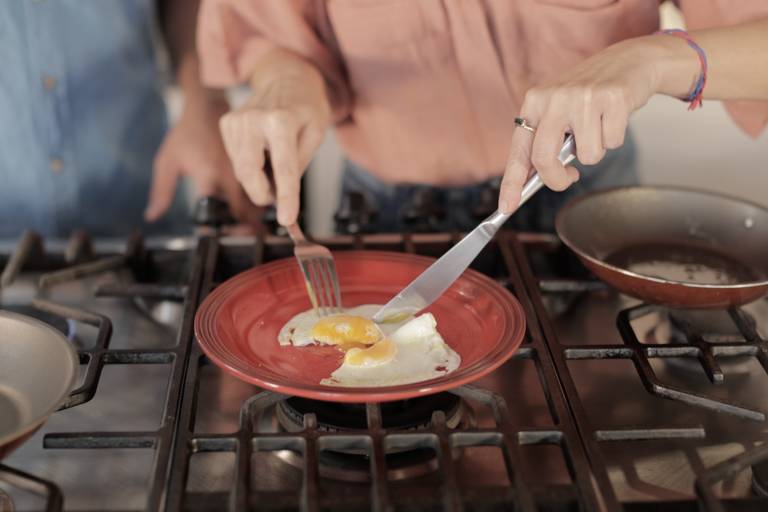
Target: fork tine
323, 287
336, 286
325, 272
312, 280
318, 287
333, 282
319, 269
308, 281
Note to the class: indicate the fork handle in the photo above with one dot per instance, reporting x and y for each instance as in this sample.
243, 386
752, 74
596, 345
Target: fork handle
294, 231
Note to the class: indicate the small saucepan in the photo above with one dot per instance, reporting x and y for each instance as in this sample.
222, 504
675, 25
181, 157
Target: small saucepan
38, 369
676, 247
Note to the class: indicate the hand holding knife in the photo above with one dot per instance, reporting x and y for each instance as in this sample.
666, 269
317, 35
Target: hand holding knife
433, 282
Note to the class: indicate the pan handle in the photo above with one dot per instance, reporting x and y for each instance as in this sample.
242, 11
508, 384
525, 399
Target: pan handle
533, 185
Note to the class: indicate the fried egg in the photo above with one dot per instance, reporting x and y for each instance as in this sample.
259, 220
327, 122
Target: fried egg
413, 353
396, 352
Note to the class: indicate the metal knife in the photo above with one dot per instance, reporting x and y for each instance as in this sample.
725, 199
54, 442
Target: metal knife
431, 284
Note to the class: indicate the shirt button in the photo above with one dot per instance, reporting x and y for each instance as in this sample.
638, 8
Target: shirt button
49, 82
56, 165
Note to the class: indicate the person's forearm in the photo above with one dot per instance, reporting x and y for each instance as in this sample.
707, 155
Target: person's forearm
178, 19
737, 58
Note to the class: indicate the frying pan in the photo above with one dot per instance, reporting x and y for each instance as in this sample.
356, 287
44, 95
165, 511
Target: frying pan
677, 247
38, 368
237, 325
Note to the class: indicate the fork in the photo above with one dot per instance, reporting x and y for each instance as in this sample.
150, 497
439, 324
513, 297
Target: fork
319, 269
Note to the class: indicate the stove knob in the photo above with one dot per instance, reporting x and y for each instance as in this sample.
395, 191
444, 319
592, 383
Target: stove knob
354, 215
212, 212
489, 199
423, 212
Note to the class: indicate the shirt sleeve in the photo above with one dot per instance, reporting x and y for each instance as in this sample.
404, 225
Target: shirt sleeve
750, 116
232, 35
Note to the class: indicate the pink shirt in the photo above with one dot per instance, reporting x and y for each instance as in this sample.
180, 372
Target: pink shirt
426, 90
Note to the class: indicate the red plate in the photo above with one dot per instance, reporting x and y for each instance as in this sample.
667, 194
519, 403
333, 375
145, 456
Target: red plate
237, 325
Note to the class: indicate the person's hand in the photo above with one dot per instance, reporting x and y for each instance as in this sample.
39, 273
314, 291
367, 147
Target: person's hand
193, 148
287, 116
593, 101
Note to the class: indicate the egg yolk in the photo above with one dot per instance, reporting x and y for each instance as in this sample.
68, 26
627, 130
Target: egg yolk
346, 330
381, 352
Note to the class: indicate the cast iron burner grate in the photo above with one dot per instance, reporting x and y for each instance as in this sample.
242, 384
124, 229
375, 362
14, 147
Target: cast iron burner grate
78, 260
508, 434
414, 415
572, 432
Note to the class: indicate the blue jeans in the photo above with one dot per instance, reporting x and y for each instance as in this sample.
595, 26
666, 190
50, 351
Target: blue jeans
538, 214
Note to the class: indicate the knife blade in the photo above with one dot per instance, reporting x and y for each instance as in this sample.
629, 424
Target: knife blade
433, 282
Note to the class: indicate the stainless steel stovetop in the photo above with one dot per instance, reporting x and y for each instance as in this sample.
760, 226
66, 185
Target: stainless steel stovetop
609, 404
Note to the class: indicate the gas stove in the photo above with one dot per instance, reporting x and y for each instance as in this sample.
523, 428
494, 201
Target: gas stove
608, 405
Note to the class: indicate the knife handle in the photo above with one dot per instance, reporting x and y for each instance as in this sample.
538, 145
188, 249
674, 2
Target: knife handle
567, 153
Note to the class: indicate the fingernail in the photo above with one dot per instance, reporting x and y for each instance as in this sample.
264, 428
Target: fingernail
504, 206
149, 214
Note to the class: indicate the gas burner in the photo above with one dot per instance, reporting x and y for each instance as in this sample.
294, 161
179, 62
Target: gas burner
671, 328
401, 416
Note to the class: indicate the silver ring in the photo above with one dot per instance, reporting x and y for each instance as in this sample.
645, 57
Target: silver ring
523, 123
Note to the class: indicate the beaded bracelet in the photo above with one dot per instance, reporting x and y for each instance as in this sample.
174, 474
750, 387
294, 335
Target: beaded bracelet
695, 96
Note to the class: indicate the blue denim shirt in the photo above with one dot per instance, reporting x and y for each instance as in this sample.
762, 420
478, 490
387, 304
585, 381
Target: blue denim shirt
81, 117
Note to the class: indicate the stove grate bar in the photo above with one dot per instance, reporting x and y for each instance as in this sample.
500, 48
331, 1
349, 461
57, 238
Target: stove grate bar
647, 434
377, 455
655, 387
145, 291
100, 440
698, 347
54, 501
571, 285
725, 470
30, 246
376, 442
310, 491
93, 358
138, 356
752, 344
81, 270
598, 490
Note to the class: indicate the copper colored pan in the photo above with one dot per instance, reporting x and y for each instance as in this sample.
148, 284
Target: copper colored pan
38, 368
671, 246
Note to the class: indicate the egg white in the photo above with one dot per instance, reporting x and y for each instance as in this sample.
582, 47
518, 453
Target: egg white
421, 353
